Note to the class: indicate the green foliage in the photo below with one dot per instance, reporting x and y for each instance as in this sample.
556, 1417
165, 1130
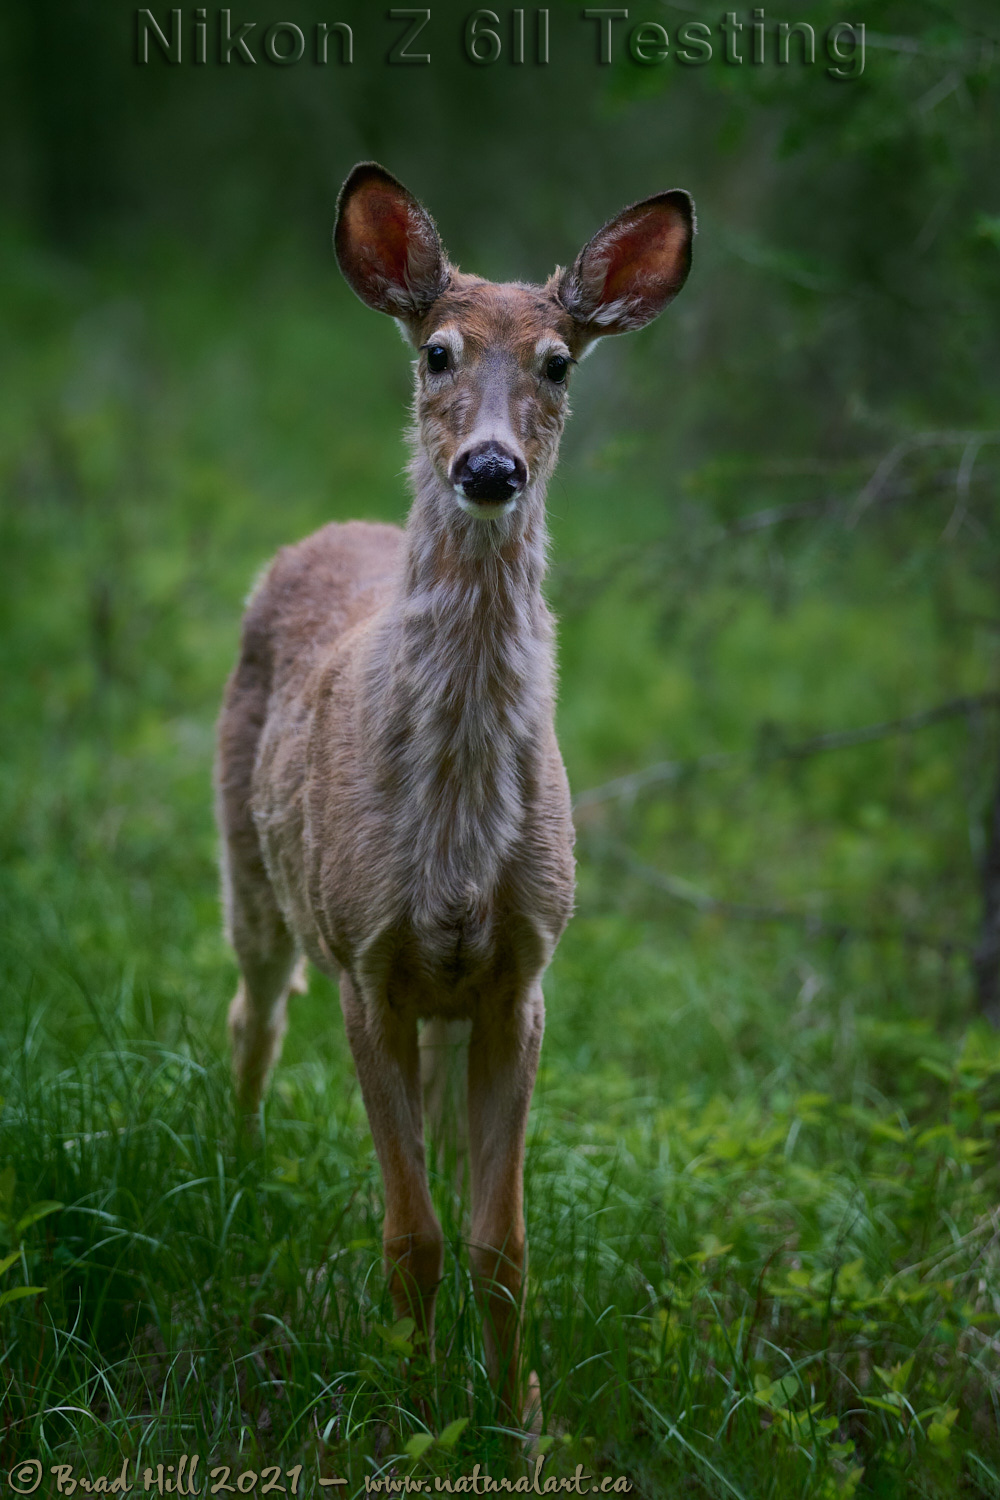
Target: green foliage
762, 1167
762, 1170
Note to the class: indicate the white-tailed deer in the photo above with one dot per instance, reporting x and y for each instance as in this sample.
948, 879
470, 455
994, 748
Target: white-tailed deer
390, 791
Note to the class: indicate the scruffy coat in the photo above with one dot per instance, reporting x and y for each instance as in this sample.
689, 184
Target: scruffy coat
390, 791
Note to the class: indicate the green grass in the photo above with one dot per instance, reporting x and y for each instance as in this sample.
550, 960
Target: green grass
762, 1175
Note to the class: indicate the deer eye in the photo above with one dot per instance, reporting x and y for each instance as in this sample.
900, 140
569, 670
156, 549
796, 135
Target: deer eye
556, 368
437, 358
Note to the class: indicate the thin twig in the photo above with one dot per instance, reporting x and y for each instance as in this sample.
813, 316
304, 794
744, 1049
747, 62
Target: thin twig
625, 787
814, 925
880, 489
839, 739
776, 515
758, 520
963, 480
989, 1223
871, 491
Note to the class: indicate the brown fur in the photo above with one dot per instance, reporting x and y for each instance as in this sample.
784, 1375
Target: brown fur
390, 790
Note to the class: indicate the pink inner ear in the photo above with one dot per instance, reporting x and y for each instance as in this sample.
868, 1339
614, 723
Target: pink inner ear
380, 225
650, 250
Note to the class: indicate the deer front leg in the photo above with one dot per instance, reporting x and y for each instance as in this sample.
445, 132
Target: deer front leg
503, 1061
384, 1046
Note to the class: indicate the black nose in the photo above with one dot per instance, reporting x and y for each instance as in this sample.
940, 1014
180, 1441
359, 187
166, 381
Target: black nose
489, 472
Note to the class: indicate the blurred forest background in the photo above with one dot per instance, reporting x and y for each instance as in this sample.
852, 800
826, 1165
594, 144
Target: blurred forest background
763, 1165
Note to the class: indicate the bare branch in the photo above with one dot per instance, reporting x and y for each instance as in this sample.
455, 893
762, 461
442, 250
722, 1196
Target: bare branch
881, 489
625, 787
871, 491
664, 771
776, 515
815, 926
841, 738
758, 520
963, 480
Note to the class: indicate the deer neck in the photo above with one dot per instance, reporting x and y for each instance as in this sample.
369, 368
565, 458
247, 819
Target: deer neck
464, 668
475, 636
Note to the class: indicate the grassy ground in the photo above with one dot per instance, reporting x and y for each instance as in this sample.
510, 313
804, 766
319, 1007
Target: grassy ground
762, 1176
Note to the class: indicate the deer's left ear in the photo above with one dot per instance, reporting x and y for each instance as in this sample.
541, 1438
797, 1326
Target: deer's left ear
625, 276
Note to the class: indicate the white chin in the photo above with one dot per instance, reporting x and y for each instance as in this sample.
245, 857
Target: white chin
486, 510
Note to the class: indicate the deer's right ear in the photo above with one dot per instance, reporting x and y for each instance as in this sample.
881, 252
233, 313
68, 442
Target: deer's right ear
387, 246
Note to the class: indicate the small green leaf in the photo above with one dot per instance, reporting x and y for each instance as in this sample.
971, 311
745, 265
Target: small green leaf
811, 1101
451, 1434
8, 1261
929, 1065
939, 1430
36, 1212
988, 228
887, 1132
896, 1378
889, 1402
418, 1444
777, 1394
398, 1337
17, 1292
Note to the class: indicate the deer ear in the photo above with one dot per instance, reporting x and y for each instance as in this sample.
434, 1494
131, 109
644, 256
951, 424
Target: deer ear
625, 276
386, 244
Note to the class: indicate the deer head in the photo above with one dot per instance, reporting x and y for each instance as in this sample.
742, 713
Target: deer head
496, 359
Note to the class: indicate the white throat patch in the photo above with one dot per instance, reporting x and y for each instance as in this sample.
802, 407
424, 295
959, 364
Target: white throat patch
485, 510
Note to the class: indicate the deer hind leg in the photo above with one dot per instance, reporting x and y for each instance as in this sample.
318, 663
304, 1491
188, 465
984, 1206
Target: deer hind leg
444, 1069
266, 953
503, 1060
265, 948
384, 1046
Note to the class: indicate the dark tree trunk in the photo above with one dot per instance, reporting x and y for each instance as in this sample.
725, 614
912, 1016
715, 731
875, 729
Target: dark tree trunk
986, 960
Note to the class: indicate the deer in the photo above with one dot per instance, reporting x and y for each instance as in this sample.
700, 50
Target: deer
392, 802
